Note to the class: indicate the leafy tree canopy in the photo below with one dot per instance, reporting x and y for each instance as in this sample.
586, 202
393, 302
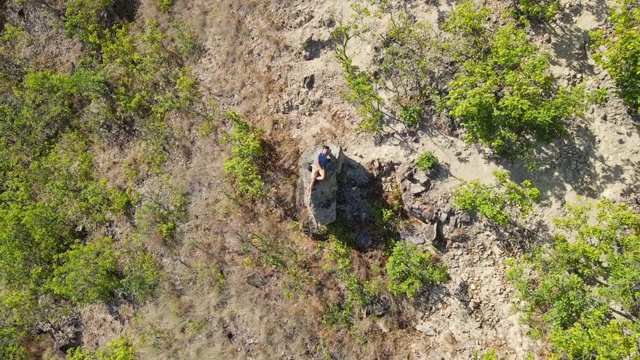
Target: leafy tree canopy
618, 50
582, 293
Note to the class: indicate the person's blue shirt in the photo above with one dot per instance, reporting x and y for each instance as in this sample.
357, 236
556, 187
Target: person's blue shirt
323, 159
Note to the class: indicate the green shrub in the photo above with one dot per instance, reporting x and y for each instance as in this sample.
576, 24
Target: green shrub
246, 153
87, 273
543, 10
581, 294
409, 268
506, 97
118, 349
357, 296
426, 161
10, 348
165, 5
489, 355
408, 68
362, 95
618, 51
12, 40
162, 213
411, 114
468, 26
599, 96
498, 201
141, 275
86, 19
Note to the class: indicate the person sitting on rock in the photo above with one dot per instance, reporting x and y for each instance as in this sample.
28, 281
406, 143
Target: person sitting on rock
324, 158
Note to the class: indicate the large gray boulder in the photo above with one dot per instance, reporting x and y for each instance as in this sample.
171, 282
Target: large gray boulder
317, 208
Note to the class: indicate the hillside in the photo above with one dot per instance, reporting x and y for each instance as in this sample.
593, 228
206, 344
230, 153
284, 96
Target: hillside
488, 206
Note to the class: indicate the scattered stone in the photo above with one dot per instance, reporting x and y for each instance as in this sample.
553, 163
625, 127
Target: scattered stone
431, 232
421, 177
417, 189
413, 233
309, 81
66, 332
327, 20
287, 107
256, 280
426, 329
383, 324
449, 340
603, 75
428, 214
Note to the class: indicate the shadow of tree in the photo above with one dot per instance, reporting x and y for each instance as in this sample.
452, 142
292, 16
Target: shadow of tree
571, 43
567, 161
428, 297
517, 239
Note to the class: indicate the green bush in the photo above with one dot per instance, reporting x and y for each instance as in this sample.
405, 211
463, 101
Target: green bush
543, 10
618, 51
86, 19
409, 269
357, 296
408, 68
426, 161
51, 200
362, 95
581, 294
506, 97
498, 202
88, 273
246, 153
118, 349
468, 26
141, 275
162, 213
165, 5
489, 355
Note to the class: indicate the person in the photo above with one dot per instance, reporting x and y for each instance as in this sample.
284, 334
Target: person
324, 158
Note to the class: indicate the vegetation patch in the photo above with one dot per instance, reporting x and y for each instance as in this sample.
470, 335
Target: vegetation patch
246, 153
426, 161
498, 202
410, 268
505, 95
357, 296
581, 293
618, 50
499, 84
119, 349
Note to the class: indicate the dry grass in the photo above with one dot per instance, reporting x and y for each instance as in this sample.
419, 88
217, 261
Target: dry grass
197, 315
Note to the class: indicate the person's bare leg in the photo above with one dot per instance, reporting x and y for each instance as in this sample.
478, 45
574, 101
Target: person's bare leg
314, 172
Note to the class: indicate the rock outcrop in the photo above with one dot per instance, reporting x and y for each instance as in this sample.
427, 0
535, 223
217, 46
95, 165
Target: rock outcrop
317, 207
413, 183
435, 219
